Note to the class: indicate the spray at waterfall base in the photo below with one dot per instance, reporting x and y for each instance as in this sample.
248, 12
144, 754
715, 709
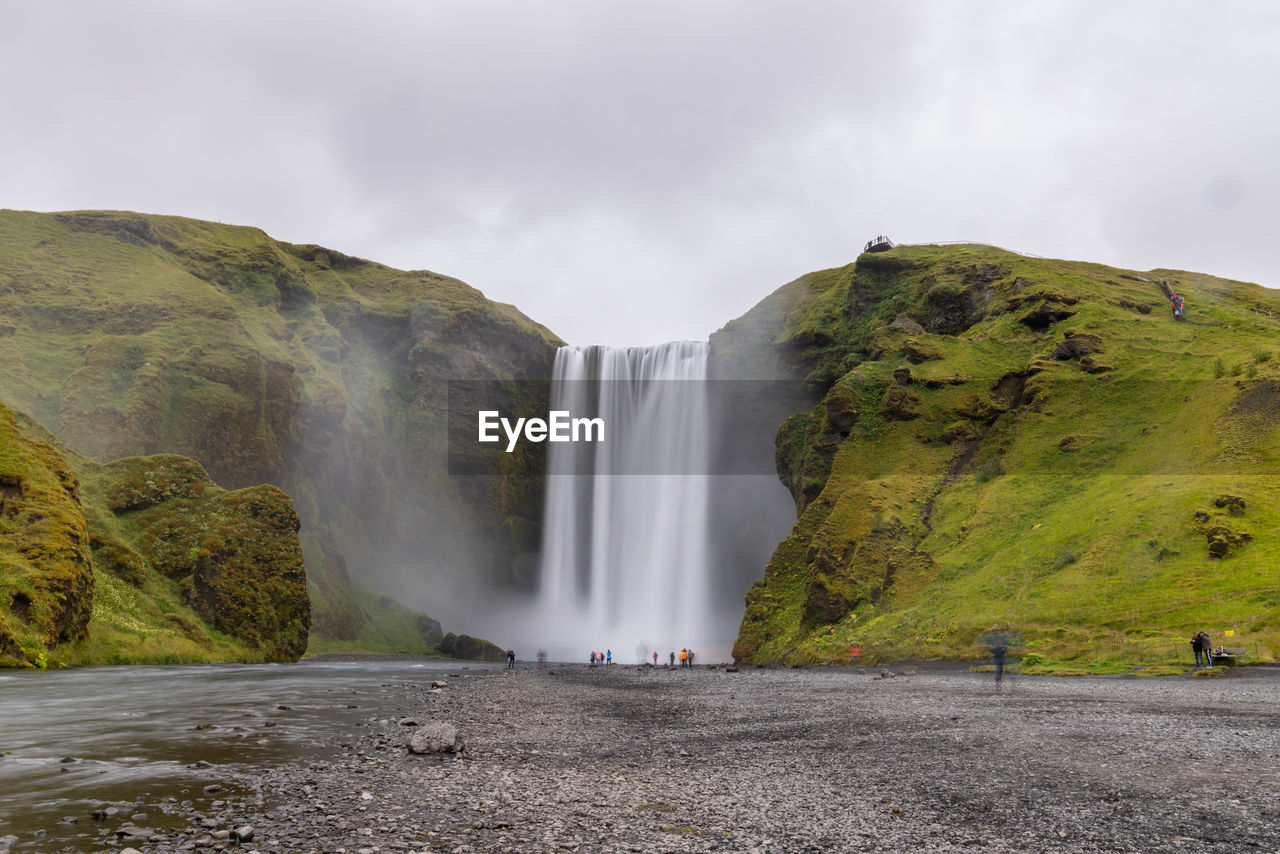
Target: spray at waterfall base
655, 523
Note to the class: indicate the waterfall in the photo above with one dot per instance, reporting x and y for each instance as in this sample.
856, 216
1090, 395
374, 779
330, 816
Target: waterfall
625, 542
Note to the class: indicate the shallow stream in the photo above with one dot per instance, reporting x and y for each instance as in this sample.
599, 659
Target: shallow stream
145, 739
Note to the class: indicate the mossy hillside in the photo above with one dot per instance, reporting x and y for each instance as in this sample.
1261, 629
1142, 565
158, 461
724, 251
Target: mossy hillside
1032, 444
235, 556
133, 334
46, 568
179, 570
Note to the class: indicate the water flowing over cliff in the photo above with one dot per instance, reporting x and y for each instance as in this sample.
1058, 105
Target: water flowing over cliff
625, 548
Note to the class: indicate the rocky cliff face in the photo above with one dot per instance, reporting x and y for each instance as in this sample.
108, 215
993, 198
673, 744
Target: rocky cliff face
276, 363
141, 559
1000, 441
46, 570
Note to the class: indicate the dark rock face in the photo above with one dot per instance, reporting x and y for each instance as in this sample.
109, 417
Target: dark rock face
1077, 344
471, 649
1045, 314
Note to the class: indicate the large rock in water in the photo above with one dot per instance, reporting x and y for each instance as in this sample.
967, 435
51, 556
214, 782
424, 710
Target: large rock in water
471, 649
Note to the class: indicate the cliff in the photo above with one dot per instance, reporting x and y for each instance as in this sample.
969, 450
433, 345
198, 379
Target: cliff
294, 365
1026, 444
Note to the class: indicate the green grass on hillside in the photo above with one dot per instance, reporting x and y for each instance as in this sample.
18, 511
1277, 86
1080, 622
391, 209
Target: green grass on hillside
132, 334
1103, 502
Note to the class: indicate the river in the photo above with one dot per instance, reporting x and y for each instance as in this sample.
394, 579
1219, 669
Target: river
145, 739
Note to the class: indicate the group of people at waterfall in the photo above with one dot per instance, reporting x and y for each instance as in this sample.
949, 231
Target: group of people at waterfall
604, 659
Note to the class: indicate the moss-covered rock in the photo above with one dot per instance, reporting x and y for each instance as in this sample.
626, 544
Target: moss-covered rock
470, 649
46, 565
142, 559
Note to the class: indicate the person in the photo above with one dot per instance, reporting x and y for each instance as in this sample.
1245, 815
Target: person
673, 659
511, 659
691, 658
542, 659
1206, 646
998, 643
684, 656
655, 658
1197, 646
592, 659
608, 656
855, 653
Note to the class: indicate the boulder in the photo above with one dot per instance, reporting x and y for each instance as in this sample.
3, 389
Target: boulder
1077, 344
901, 404
904, 322
436, 737
471, 649
917, 352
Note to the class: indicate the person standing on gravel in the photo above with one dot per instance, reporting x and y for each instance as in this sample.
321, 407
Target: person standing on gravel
684, 657
998, 643
1197, 646
511, 659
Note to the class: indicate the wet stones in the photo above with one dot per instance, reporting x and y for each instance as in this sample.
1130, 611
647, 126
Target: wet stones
133, 833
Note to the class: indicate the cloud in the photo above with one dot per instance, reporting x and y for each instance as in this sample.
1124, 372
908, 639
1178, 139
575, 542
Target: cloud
628, 173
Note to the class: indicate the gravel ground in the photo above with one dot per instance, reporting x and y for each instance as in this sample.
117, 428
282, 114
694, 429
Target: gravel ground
645, 759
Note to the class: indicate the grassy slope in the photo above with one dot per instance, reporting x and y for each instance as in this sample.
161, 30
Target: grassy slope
1069, 518
133, 334
137, 517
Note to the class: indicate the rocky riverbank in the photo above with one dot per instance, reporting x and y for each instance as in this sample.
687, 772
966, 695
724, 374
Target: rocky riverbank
627, 759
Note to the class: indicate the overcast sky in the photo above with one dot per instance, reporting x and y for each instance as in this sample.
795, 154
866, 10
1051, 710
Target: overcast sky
634, 172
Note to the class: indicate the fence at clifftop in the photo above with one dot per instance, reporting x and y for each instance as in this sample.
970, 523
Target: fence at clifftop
976, 243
